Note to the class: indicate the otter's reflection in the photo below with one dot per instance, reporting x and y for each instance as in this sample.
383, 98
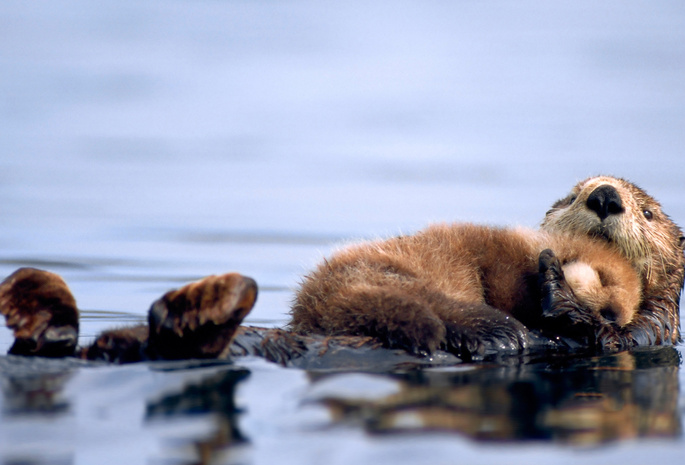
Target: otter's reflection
213, 395
33, 390
566, 399
35, 387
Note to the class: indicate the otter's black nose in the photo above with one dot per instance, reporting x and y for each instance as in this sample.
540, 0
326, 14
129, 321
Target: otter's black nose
605, 201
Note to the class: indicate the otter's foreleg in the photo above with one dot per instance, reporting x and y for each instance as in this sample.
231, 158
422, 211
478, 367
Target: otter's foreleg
654, 324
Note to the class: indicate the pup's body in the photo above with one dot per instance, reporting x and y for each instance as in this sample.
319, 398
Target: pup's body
460, 286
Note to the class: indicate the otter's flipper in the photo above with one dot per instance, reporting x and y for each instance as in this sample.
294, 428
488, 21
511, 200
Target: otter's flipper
41, 310
200, 319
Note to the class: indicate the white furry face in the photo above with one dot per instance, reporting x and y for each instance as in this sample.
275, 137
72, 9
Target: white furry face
582, 278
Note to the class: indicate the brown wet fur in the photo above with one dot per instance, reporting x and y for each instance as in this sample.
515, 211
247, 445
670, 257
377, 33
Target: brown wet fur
123, 345
41, 311
457, 287
200, 319
636, 226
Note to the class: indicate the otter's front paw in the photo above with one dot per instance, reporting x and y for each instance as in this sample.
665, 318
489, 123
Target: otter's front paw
476, 330
557, 297
563, 314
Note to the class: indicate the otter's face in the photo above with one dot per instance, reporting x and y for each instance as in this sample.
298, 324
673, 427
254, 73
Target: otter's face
619, 212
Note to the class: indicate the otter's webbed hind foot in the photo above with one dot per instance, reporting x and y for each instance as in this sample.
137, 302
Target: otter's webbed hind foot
41, 310
200, 319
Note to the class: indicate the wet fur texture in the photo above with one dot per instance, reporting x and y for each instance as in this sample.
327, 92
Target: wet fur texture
465, 288
633, 223
198, 320
607, 270
41, 310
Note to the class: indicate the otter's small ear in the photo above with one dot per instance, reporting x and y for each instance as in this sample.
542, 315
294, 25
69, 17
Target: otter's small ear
681, 241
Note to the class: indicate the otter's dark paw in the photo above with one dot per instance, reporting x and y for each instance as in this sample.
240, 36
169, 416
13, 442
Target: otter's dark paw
564, 315
552, 283
200, 319
611, 338
421, 334
281, 346
477, 330
41, 310
558, 299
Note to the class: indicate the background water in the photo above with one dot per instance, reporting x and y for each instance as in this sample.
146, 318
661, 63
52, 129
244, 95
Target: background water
144, 144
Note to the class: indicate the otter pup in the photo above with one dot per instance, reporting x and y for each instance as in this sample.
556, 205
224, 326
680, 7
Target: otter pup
465, 288
633, 223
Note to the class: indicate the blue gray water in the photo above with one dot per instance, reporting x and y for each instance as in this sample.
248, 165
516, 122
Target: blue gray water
144, 144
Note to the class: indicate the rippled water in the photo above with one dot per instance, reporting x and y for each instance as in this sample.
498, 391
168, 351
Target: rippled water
146, 144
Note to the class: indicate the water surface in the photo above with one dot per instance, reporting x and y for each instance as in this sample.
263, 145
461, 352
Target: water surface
147, 144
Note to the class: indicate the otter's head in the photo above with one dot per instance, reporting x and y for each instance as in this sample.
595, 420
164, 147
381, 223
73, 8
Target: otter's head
621, 213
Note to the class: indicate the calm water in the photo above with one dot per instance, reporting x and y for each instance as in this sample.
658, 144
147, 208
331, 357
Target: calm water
146, 144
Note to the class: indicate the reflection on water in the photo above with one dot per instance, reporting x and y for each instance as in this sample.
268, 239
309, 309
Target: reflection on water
33, 386
566, 399
212, 395
35, 405
187, 412
35, 394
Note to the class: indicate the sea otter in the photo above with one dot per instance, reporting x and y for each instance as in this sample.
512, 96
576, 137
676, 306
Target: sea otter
632, 222
456, 287
586, 300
